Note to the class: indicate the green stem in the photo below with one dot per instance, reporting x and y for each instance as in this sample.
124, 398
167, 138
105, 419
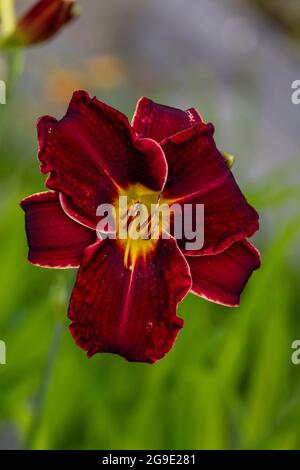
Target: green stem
42, 392
8, 17
14, 68
14, 61
14, 56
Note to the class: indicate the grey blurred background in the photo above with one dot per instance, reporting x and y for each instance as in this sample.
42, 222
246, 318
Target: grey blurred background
227, 57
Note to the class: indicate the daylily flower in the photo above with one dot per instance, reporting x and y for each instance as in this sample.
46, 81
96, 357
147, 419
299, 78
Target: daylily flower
42, 21
92, 156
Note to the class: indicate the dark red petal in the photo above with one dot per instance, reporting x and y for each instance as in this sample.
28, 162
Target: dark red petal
54, 240
129, 312
198, 174
221, 278
158, 121
92, 153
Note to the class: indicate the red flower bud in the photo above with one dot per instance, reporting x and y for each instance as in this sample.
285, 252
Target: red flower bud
43, 21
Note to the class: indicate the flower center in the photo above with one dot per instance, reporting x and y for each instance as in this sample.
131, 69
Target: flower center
137, 222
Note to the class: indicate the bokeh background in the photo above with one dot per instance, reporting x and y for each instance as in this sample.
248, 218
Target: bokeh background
229, 382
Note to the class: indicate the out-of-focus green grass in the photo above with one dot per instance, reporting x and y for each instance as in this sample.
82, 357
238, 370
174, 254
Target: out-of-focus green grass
227, 383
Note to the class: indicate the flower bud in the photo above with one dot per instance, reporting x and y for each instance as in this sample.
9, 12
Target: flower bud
42, 21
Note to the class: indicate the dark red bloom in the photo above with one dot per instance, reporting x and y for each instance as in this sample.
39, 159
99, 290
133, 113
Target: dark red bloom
42, 21
126, 294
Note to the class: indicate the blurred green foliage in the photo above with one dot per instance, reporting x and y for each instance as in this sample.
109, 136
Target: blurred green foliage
286, 14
